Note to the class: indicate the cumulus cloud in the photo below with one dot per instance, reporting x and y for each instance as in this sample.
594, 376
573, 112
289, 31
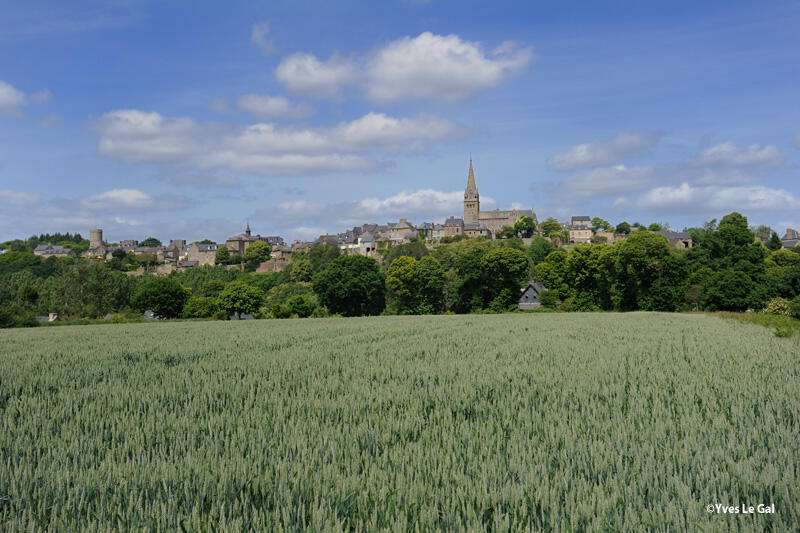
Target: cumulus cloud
729, 155
609, 181
440, 68
147, 137
305, 74
268, 107
131, 200
17, 198
11, 100
135, 136
686, 198
599, 153
259, 36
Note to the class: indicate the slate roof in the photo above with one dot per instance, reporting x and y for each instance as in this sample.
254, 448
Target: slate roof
675, 235
454, 222
790, 243
581, 218
207, 247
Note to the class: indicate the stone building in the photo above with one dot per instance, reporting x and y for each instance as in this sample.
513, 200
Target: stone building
453, 226
239, 243
203, 254
677, 239
52, 250
486, 222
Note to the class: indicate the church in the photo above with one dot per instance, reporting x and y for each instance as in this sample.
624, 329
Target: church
477, 222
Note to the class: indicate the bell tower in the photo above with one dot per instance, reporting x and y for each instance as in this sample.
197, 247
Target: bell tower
472, 201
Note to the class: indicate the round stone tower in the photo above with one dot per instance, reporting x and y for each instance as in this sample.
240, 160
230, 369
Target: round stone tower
95, 238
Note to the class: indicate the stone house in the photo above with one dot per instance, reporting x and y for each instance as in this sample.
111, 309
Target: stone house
238, 244
677, 239
204, 254
529, 298
579, 234
581, 222
52, 250
453, 226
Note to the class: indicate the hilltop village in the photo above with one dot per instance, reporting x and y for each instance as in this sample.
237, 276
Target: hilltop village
371, 239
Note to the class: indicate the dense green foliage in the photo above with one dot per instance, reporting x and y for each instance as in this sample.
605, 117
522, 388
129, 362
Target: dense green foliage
449, 423
240, 297
164, 296
727, 269
351, 285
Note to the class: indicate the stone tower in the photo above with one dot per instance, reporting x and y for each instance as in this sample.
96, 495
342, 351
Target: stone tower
472, 201
95, 238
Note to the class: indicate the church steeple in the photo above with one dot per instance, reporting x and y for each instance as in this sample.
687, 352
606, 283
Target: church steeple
472, 201
247, 230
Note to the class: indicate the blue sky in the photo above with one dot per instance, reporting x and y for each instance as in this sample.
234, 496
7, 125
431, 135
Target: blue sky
187, 119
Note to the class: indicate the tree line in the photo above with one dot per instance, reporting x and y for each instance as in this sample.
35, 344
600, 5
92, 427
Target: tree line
727, 269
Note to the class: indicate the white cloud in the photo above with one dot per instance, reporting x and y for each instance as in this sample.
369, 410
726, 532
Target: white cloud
130, 200
11, 100
137, 137
599, 153
728, 155
609, 181
140, 137
259, 37
268, 107
423, 202
691, 199
305, 74
18, 199
440, 68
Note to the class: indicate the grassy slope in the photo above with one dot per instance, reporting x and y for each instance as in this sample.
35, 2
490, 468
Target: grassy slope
564, 421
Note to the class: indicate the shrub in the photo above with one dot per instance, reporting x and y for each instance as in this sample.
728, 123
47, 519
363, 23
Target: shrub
794, 307
200, 307
302, 305
13, 316
777, 306
548, 299
281, 311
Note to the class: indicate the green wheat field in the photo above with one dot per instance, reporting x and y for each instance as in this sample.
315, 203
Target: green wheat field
562, 422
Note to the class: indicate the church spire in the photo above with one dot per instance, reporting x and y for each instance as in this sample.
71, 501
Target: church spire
247, 230
472, 201
471, 192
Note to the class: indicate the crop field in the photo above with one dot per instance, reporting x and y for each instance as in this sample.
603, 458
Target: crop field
562, 422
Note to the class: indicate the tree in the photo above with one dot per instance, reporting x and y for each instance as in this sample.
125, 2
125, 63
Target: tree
150, 242
524, 226
302, 305
623, 227
205, 241
655, 226
506, 232
598, 224
774, 242
351, 285
504, 271
257, 252
164, 296
551, 228
638, 262
240, 297
430, 278
200, 307
212, 288
539, 248
401, 285
223, 256
301, 270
